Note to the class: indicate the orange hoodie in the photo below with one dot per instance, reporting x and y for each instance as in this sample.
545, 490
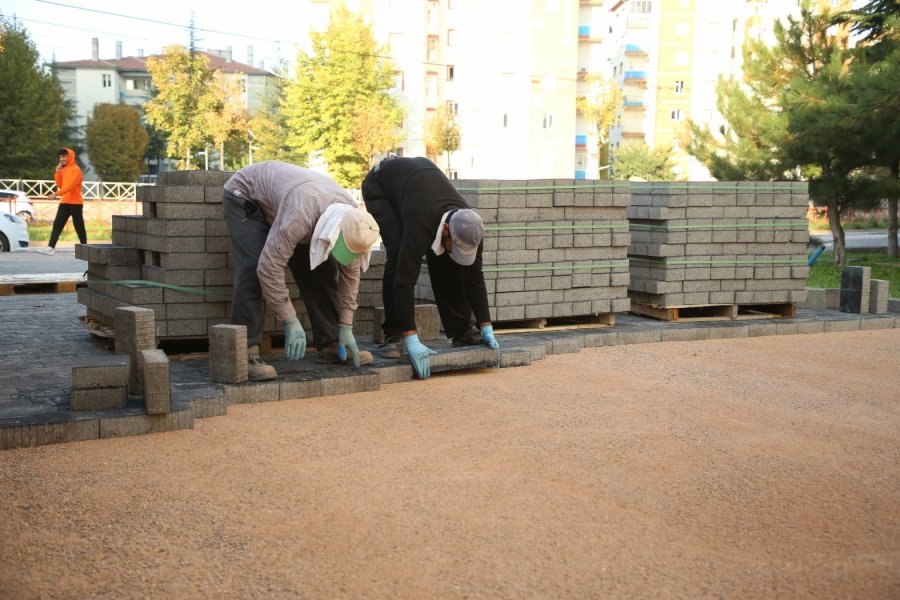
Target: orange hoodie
69, 180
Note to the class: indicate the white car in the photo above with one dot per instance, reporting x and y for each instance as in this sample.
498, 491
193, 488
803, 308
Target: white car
17, 203
13, 232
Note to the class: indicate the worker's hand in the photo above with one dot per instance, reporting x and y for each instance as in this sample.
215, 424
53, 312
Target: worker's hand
294, 339
487, 335
418, 355
347, 343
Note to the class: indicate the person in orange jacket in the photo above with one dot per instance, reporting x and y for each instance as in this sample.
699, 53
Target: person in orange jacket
68, 179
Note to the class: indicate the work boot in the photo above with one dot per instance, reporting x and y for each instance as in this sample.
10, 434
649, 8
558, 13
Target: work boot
329, 356
392, 348
472, 337
257, 370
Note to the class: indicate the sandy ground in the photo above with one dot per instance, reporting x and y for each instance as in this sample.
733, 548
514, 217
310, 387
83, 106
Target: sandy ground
753, 468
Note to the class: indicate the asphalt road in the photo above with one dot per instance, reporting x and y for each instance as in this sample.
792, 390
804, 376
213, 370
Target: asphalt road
856, 239
31, 262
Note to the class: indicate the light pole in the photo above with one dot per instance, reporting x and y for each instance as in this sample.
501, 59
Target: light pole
250, 138
205, 159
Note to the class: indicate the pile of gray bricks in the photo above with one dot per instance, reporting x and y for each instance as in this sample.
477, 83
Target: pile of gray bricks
175, 259
553, 248
718, 243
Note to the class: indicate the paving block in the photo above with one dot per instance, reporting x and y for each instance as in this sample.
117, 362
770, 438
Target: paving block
596, 339
855, 289
204, 401
879, 295
40, 434
832, 298
894, 305
514, 357
394, 373
677, 334
98, 398
639, 336
295, 390
815, 299
877, 322
114, 372
473, 357
228, 353
140, 424
157, 381
566, 343
842, 325
812, 326
355, 381
252, 392
135, 331
762, 328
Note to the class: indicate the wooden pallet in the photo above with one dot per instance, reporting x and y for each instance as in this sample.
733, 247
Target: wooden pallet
556, 323
96, 328
50, 283
715, 312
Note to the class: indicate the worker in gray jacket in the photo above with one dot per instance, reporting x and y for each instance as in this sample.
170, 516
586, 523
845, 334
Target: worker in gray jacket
283, 216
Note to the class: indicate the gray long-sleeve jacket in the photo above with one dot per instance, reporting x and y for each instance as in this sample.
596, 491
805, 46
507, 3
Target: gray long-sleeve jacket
292, 200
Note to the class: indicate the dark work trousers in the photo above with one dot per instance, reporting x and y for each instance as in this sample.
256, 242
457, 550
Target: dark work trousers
63, 212
318, 287
446, 276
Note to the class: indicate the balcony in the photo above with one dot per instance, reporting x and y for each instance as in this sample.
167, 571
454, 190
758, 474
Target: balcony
585, 35
634, 134
636, 78
634, 50
591, 2
634, 105
581, 141
580, 174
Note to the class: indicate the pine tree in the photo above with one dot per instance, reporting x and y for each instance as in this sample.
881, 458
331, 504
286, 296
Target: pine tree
342, 75
33, 113
116, 142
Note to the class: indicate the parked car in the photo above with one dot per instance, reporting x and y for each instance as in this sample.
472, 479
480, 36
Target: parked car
17, 203
13, 232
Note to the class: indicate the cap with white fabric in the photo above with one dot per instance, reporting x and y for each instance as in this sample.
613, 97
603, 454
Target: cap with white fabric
359, 232
466, 231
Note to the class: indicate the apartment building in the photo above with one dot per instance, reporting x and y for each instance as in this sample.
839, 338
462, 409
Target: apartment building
126, 80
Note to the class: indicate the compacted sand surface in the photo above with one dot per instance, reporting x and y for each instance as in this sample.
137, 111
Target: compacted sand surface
751, 468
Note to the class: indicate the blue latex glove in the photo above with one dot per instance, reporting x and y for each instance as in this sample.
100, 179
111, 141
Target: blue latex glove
487, 335
346, 342
294, 339
418, 355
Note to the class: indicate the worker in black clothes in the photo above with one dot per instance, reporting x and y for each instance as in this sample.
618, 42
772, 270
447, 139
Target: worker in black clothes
420, 213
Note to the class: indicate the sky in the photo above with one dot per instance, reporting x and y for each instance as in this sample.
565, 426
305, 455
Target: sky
62, 29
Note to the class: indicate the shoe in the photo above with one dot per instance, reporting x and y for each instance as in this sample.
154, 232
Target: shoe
472, 337
329, 356
48, 251
392, 348
257, 370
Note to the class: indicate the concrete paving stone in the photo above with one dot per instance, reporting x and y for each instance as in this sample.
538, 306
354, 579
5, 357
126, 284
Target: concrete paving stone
762, 328
102, 398
108, 371
855, 289
639, 336
727, 330
877, 322
842, 325
396, 372
566, 342
810, 326
597, 339
193, 178
472, 357
879, 294
157, 381
293, 389
228, 353
58, 431
675, 333
206, 401
252, 392
359, 380
514, 357
136, 423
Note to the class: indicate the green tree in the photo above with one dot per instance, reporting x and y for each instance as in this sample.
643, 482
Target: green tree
444, 134
875, 77
33, 112
342, 74
601, 107
229, 122
116, 142
789, 119
268, 129
184, 96
640, 162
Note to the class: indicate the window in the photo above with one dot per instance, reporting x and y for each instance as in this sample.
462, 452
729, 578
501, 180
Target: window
395, 41
548, 121
450, 35
399, 81
432, 47
453, 108
641, 7
451, 72
454, 174
107, 80
675, 115
431, 88
679, 87
682, 58
505, 120
682, 28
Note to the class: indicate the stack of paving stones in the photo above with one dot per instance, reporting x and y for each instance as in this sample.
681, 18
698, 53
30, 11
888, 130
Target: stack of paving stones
175, 259
718, 243
553, 248
860, 294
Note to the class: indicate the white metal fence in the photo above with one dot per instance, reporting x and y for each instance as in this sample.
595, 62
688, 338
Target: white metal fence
90, 190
